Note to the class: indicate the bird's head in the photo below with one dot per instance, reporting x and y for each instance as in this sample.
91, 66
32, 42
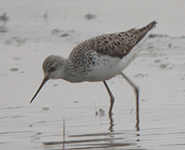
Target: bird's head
52, 68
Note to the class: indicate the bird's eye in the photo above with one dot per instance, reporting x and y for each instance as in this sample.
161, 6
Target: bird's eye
51, 69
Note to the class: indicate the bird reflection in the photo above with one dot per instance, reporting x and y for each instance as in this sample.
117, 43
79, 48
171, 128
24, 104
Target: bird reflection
137, 123
112, 124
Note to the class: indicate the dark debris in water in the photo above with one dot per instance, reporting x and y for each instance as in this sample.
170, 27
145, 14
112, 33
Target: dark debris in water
3, 29
16, 40
16, 58
56, 31
4, 17
164, 36
62, 33
90, 16
140, 75
157, 35
21, 41
157, 61
101, 112
163, 66
15, 68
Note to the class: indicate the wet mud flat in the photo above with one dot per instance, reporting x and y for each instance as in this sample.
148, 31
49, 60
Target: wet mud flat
159, 73
29, 32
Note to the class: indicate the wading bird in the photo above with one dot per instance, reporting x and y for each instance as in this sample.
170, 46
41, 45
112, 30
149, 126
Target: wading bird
98, 59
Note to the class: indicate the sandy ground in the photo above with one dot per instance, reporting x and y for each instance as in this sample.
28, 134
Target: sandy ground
36, 29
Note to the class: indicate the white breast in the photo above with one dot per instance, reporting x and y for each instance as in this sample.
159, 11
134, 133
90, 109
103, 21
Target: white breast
106, 67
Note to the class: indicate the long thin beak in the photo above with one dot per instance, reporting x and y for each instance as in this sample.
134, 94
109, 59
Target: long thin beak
41, 85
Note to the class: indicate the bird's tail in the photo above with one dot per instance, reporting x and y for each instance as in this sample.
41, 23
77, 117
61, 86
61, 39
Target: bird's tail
143, 31
148, 27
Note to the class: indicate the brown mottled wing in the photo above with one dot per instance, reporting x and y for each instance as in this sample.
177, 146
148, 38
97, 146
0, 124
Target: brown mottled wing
115, 44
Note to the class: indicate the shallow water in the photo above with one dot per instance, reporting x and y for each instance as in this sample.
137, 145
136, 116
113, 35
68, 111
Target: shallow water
29, 39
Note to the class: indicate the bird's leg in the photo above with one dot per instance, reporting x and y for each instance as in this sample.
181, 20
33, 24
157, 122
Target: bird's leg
136, 89
111, 105
111, 98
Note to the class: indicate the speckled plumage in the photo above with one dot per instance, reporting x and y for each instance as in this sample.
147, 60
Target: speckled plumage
115, 44
97, 59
